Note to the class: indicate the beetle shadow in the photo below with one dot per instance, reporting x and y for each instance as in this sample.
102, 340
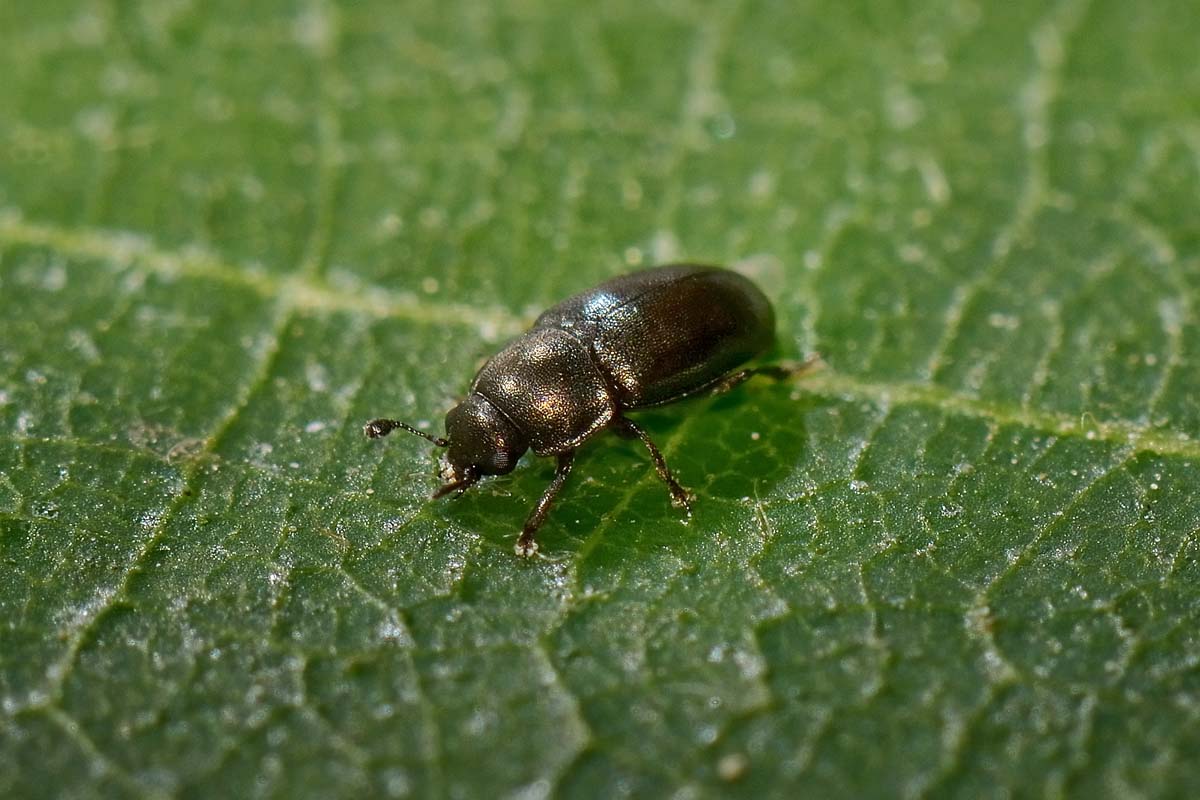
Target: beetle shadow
727, 450
744, 445
739, 445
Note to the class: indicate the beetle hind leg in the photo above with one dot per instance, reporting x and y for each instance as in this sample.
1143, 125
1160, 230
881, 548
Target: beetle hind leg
680, 497
526, 545
788, 369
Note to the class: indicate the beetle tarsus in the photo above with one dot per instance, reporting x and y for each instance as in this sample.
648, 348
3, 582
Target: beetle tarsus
682, 498
526, 547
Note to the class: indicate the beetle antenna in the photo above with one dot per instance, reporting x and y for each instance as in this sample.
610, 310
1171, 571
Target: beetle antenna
378, 428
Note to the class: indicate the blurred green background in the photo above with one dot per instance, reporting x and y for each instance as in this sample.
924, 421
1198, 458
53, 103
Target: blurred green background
962, 560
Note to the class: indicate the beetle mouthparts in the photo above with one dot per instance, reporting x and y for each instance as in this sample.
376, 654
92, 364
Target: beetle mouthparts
457, 486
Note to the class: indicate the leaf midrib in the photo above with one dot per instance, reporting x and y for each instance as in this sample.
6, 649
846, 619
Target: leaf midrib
306, 292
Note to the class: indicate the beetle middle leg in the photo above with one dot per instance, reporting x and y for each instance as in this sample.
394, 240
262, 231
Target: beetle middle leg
778, 372
526, 546
680, 497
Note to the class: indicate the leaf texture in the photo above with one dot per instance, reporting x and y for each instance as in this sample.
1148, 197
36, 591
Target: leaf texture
959, 561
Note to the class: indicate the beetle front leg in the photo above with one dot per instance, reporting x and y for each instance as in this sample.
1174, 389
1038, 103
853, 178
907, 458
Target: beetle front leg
526, 546
680, 497
789, 369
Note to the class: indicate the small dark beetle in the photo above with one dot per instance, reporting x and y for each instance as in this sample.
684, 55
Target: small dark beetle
636, 341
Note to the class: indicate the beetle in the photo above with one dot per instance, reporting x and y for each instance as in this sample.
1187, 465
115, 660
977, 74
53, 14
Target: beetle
636, 341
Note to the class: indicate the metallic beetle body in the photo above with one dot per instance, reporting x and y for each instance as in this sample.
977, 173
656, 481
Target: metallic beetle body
635, 341
639, 340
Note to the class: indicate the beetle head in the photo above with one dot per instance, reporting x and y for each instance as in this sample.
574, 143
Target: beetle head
482, 442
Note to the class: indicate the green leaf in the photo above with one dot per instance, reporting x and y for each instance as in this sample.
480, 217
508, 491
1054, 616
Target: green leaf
960, 560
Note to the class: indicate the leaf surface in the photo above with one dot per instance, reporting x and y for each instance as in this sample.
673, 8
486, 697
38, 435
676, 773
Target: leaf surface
960, 560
